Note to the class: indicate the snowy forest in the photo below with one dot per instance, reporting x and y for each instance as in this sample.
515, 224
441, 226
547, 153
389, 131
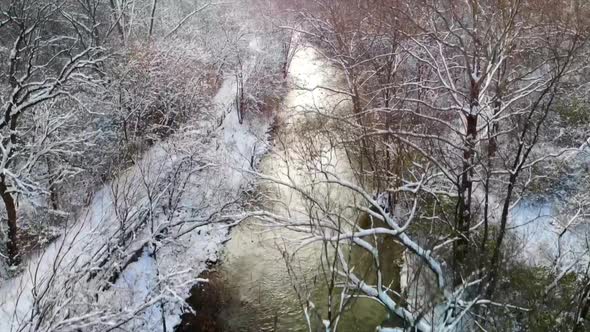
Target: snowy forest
294, 165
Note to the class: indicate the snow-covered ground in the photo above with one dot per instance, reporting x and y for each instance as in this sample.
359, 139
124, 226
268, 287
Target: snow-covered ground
544, 236
104, 270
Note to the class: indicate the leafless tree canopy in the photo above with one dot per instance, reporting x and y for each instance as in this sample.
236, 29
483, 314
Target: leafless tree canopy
433, 154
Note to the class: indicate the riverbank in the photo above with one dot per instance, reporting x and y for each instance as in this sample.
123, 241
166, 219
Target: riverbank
139, 246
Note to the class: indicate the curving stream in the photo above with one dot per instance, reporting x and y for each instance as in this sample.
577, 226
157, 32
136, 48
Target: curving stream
257, 288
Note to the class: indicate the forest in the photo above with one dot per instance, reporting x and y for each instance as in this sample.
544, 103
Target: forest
294, 165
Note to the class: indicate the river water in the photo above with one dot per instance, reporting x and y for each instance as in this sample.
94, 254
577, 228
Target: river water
258, 288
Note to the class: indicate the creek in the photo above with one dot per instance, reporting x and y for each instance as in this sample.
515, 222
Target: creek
258, 289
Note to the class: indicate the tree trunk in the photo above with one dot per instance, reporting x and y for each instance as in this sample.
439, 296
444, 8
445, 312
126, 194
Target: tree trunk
494, 126
118, 18
463, 218
583, 310
154, 4
463, 215
240, 97
12, 244
53, 194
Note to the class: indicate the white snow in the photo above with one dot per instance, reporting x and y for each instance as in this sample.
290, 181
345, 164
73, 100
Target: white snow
537, 225
63, 268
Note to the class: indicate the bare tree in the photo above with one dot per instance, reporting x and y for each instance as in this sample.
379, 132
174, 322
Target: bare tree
41, 68
448, 105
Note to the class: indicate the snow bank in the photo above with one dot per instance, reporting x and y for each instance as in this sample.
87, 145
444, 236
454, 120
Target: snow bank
131, 257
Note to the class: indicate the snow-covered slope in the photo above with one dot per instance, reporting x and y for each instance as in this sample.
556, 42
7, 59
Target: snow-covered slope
130, 258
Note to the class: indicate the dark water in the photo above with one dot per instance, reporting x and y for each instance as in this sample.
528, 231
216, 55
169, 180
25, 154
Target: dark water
261, 293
